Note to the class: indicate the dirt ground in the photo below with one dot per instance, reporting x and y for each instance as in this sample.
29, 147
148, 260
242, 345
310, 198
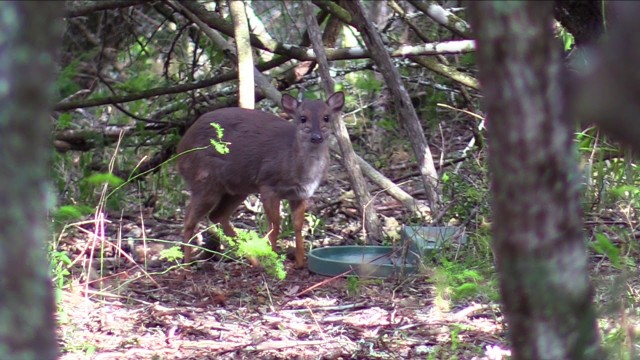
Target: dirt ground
231, 311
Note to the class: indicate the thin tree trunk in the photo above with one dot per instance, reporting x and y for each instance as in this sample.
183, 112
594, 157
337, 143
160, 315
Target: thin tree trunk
246, 93
402, 101
537, 227
371, 222
30, 33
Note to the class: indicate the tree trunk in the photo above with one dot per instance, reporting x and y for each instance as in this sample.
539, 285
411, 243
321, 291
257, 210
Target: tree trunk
246, 94
537, 227
30, 33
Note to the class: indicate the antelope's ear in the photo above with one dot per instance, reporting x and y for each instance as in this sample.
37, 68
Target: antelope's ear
336, 101
289, 104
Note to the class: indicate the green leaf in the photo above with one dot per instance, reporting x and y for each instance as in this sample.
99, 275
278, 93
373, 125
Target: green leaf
624, 191
388, 124
567, 39
172, 254
65, 83
64, 121
101, 178
604, 246
221, 147
68, 213
368, 82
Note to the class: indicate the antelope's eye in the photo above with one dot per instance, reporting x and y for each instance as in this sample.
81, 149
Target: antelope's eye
326, 118
303, 119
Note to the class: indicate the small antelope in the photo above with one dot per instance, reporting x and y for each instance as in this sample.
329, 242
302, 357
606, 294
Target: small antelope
267, 155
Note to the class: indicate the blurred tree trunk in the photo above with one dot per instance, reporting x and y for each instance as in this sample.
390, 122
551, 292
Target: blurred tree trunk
537, 227
30, 33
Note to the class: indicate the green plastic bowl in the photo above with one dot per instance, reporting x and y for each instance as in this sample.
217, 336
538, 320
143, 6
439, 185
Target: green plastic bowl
364, 261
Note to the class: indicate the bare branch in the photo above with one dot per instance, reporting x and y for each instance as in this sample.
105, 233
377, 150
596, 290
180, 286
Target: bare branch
75, 10
371, 221
165, 90
448, 71
443, 17
402, 101
305, 54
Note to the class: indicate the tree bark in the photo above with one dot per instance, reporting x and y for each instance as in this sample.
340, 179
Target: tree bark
404, 106
246, 92
371, 222
537, 228
30, 34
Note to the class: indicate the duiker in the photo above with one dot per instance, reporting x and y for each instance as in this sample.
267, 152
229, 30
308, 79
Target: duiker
267, 155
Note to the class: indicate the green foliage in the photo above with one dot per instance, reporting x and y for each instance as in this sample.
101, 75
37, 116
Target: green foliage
143, 81
603, 246
467, 60
137, 107
64, 121
427, 108
614, 344
608, 174
315, 223
166, 178
456, 281
85, 348
220, 146
172, 254
353, 285
455, 341
249, 244
367, 82
65, 83
104, 178
629, 193
97, 180
59, 262
252, 245
465, 195
69, 213
215, 54
388, 124
313, 95
567, 38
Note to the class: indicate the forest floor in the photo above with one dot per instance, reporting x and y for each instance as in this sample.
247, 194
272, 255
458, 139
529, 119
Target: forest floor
153, 309
232, 311
229, 311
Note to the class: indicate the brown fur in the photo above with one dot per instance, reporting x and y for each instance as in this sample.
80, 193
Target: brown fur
277, 159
